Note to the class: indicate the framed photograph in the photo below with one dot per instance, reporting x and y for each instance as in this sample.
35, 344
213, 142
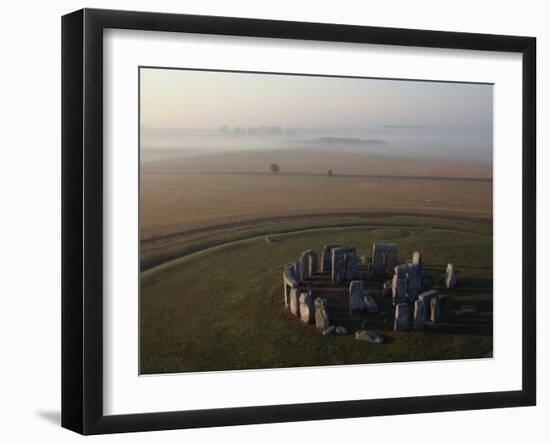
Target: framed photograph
268, 221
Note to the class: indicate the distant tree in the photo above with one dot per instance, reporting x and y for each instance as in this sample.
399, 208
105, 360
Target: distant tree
275, 167
330, 172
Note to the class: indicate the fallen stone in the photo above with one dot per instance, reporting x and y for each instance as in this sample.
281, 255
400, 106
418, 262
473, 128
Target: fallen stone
466, 310
341, 330
370, 336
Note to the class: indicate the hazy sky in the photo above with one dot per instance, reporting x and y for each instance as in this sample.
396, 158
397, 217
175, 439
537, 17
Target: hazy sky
200, 99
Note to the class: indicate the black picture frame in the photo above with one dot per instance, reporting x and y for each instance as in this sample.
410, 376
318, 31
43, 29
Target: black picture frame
82, 218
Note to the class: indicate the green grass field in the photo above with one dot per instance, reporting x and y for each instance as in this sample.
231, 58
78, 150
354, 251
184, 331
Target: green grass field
217, 304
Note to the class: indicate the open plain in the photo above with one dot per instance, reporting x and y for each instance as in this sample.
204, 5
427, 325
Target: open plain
210, 282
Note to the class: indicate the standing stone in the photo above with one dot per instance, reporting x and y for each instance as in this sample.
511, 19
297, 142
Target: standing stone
295, 301
410, 273
401, 270
384, 258
356, 302
286, 296
304, 266
419, 315
326, 259
292, 270
392, 258
450, 279
350, 258
321, 313
307, 310
387, 288
427, 297
286, 291
435, 311
413, 283
399, 289
308, 264
378, 262
370, 304
313, 262
338, 266
401, 320
417, 260
290, 281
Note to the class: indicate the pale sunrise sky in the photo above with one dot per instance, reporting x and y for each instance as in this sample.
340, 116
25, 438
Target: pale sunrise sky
173, 98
